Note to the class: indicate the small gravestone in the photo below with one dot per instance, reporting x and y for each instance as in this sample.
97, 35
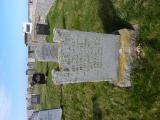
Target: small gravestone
52, 114
42, 29
44, 52
47, 52
31, 64
38, 78
35, 99
30, 71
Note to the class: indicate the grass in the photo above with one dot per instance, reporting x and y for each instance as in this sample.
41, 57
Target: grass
50, 94
102, 101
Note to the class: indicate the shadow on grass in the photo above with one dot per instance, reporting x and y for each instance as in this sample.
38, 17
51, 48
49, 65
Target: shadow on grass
111, 21
153, 43
146, 75
97, 112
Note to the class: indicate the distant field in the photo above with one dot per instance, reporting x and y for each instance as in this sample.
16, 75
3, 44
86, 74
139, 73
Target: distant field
102, 101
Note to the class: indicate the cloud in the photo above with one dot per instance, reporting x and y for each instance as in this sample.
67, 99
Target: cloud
4, 104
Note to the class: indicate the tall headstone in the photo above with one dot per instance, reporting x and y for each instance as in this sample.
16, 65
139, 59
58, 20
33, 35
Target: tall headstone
86, 56
42, 29
30, 71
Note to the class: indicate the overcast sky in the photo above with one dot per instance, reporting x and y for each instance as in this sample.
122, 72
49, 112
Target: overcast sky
13, 60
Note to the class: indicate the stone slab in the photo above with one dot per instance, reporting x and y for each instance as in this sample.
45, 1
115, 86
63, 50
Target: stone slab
52, 114
86, 56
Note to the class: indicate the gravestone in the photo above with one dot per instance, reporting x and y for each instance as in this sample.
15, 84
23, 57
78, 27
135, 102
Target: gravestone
86, 57
52, 114
44, 52
93, 57
30, 71
42, 29
35, 99
38, 78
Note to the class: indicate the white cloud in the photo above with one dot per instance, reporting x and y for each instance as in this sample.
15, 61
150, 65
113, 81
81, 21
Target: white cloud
4, 104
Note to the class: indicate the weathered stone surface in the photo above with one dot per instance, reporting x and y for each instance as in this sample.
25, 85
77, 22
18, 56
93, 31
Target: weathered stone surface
86, 56
53, 114
44, 51
35, 99
42, 9
127, 41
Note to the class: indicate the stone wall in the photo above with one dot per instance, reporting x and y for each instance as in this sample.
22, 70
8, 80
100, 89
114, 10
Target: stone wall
42, 9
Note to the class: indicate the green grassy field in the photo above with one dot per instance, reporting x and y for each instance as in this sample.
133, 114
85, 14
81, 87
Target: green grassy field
102, 101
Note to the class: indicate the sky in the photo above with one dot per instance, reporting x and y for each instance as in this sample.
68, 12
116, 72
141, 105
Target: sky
13, 60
